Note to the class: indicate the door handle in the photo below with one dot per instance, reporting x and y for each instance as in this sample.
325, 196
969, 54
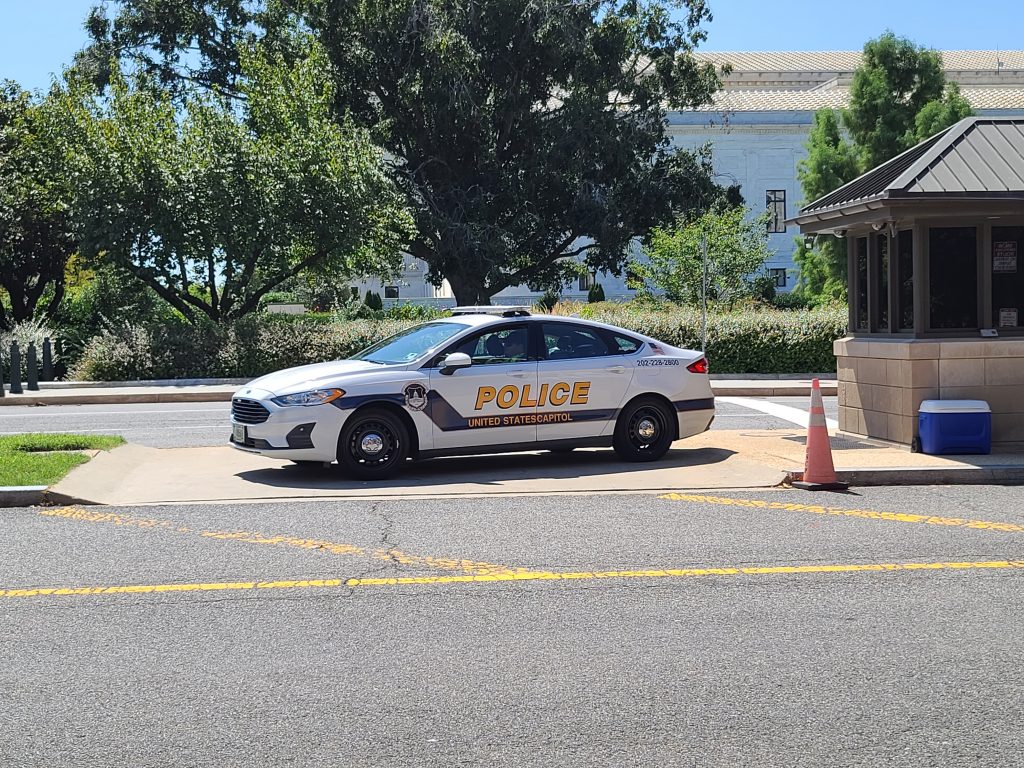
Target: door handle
616, 369
519, 374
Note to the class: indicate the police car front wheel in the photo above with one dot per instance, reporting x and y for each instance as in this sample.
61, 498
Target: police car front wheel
644, 431
373, 445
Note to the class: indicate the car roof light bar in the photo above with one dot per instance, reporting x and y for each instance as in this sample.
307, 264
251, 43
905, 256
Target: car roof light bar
500, 311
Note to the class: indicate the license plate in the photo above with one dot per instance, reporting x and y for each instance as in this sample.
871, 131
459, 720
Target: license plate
238, 433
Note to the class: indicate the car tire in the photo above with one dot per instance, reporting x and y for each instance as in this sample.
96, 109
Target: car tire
644, 431
373, 445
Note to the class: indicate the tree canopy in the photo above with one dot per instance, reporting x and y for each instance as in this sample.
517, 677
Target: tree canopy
522, 134
899, 97
36, 238
895, 80
737, 247
213, 204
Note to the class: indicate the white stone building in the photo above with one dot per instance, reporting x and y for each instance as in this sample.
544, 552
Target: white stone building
757, 127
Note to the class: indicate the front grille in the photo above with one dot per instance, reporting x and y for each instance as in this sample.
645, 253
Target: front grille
248, 411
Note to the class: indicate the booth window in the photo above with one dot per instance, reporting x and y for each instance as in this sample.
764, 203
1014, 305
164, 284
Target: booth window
905, 272
861, 254
775, 200
882, 282
1007, 277
953, 277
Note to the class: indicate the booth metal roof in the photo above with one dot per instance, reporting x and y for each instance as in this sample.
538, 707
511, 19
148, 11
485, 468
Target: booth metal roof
978, 157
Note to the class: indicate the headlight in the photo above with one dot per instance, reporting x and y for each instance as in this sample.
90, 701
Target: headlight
315, 397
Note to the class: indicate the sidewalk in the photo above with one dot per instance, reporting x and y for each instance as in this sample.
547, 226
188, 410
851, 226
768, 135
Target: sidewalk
220, 390
717, 459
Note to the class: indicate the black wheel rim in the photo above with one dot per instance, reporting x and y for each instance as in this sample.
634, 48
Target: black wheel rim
373, 443
646, 428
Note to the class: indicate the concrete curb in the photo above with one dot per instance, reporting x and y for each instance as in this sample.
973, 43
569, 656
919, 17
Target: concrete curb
827, 390
22, 495
889, 476
114, 399
216, 395
58, 385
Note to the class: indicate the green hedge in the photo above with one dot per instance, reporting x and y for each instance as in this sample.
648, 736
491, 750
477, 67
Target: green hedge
748, 341
751, 340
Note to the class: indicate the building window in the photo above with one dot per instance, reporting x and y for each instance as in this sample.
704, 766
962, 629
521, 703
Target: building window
390, 291
882, 281
779, 276
1007, 278
861, 263
586, 282
953, 277
905, 271
775, 200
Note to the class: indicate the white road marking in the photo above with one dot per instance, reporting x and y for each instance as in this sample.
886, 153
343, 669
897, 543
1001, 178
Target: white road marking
784, 412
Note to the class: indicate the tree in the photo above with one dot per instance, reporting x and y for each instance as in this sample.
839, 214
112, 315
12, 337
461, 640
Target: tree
831, 162
522, 134
183, 44
36, 237
940, 114
737, 247
214, 205
895, 80
898, 98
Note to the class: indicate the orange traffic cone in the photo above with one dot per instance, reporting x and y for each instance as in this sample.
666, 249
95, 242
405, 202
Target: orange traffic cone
819, 471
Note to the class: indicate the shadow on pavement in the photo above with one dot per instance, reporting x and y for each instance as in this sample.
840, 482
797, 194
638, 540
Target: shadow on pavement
491, 469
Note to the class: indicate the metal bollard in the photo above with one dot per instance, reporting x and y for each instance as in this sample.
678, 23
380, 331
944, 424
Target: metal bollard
32, 368
1, 373
47, 360
59, 369
15, 370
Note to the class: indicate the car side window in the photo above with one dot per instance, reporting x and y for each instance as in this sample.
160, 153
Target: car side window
623, 345
504, 345
564, 341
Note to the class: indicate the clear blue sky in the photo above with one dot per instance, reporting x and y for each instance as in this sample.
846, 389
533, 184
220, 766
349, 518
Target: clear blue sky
38, 37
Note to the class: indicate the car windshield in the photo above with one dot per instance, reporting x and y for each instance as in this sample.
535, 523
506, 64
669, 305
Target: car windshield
409, 344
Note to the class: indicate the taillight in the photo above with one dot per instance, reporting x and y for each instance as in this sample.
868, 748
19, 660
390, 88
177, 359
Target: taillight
698, 366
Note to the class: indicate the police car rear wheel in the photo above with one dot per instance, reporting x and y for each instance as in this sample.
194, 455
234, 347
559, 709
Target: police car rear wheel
374, 445
643, 431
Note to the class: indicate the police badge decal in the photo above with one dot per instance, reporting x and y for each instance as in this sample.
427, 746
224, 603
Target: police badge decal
415, 396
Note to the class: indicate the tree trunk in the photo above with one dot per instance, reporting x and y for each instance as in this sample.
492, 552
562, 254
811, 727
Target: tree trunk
469, 290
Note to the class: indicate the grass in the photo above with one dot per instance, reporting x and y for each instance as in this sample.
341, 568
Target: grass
38, 459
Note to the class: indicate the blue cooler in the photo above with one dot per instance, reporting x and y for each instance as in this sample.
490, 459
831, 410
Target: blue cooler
955, 426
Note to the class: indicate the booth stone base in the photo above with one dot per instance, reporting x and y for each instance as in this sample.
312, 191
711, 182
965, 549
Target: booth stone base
883, 381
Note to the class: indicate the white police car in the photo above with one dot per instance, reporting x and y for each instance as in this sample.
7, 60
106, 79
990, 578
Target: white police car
485, 380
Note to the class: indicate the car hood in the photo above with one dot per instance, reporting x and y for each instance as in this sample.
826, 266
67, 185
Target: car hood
316, 376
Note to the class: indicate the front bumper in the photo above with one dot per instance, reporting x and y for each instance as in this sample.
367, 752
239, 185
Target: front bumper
301, 433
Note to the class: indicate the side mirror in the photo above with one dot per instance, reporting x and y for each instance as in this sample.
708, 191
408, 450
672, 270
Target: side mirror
454, 362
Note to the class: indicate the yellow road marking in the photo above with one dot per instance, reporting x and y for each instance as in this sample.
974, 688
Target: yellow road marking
776, 570
898, 517
280, 540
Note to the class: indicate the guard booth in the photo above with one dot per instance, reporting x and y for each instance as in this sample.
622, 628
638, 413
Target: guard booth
935, 253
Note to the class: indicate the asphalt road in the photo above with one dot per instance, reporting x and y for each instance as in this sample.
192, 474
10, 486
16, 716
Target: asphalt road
181, 425
526, 632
